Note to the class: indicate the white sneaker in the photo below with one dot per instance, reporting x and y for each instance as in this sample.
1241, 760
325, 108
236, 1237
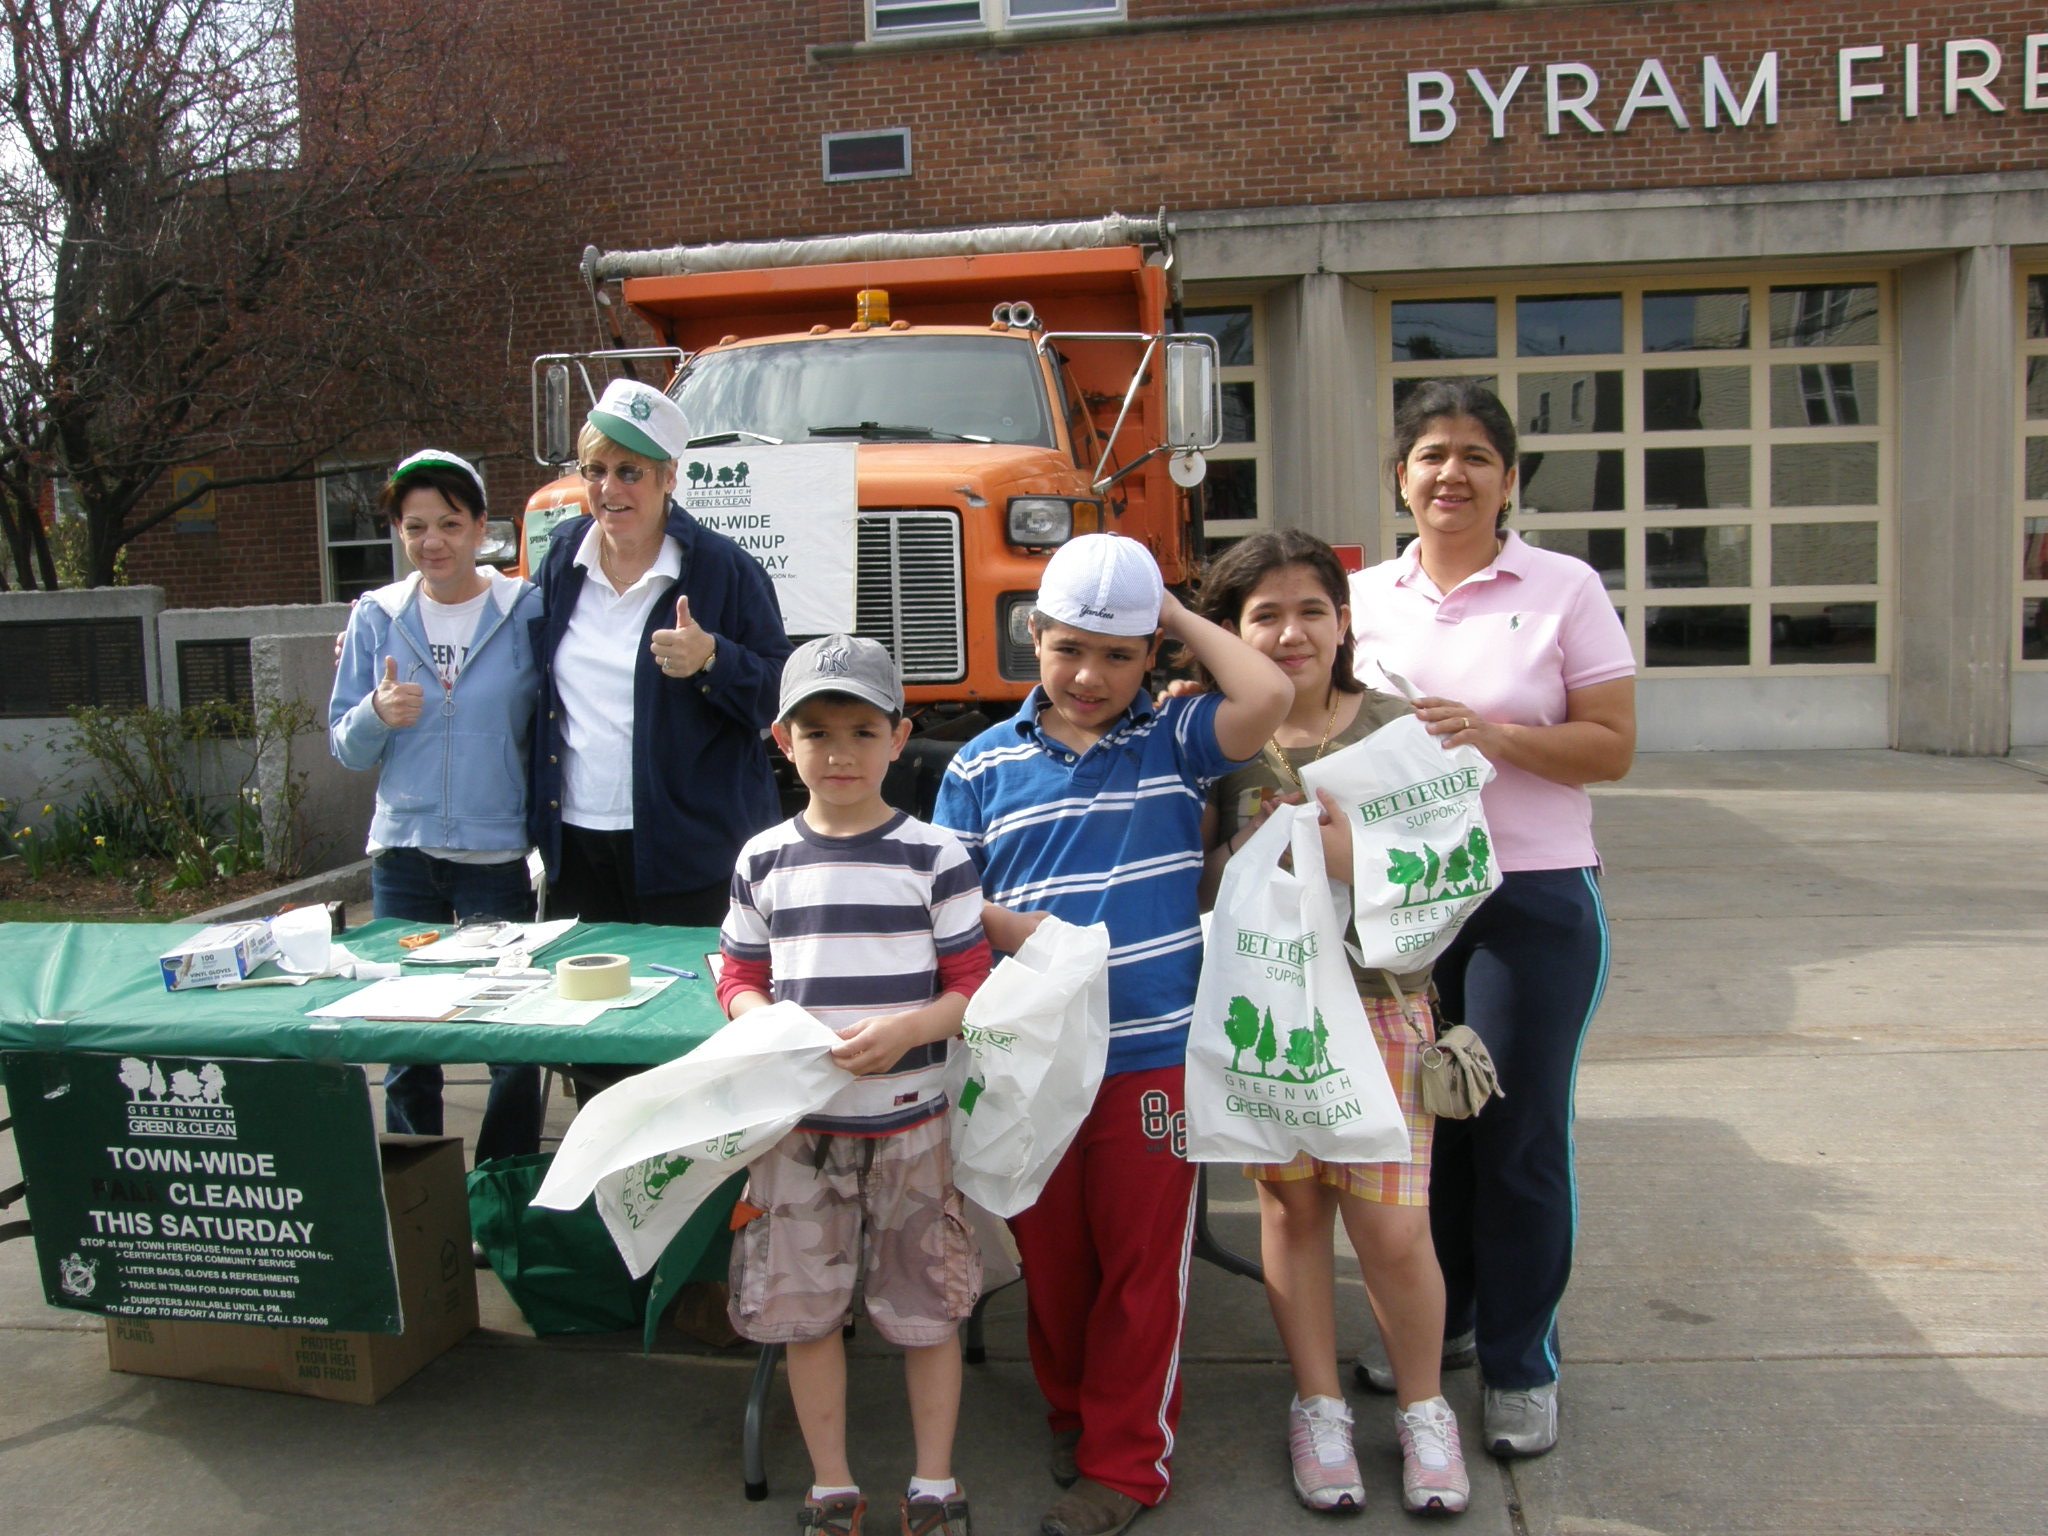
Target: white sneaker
1433, 1478
1521, 1423
1325, 1465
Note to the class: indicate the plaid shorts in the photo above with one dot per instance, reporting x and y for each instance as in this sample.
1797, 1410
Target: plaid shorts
1381, 1183
836, 1207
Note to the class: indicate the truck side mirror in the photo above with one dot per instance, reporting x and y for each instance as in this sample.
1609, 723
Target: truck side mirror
557, 445
1191, 403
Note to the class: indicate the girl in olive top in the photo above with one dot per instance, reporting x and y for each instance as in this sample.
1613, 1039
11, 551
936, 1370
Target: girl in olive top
1285, 594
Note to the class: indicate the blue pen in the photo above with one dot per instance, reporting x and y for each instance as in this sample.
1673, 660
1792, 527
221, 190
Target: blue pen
674, 970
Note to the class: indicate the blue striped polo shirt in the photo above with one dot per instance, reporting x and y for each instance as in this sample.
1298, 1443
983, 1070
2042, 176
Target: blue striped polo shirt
1111, 835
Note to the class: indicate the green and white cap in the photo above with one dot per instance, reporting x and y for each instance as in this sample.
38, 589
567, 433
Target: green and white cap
440, 458
641, 418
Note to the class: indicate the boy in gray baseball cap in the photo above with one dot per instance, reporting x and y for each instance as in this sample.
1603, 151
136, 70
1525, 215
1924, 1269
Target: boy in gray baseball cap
872, 921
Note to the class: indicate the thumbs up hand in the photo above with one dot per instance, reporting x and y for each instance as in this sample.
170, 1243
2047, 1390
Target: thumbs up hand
685, 650
397, 704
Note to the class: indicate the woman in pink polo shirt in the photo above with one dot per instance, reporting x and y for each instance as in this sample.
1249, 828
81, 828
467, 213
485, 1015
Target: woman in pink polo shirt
1518, 652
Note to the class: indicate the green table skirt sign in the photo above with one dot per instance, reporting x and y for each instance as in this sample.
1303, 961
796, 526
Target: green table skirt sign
205, 1190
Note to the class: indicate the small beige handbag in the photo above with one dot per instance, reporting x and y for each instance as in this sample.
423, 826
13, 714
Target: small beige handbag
1458, 1075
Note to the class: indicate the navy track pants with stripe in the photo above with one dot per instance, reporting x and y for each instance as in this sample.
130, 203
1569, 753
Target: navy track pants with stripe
1526, 973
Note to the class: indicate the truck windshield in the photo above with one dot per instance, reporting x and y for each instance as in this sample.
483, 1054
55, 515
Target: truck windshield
913, 387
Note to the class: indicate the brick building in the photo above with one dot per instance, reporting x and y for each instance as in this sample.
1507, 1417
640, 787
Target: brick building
1765, 285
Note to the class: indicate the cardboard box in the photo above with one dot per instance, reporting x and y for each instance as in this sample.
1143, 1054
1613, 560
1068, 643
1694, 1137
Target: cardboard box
426, 1192
225, 952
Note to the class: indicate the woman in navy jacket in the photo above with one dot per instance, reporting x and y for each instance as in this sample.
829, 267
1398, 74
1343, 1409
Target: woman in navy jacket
661, 652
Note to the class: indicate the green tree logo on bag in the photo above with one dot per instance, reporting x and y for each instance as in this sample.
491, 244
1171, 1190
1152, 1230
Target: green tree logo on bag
1462, 869
1304, 1058
645, 1182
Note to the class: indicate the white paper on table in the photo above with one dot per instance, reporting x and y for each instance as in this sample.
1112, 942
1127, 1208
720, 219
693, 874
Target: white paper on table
341, 964
408, 999
655, 1146
539, 1004
452, 950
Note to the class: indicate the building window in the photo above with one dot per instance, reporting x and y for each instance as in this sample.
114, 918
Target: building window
1236, 499
913, 18
866, 156
2032, 641
358, 551
1719, 452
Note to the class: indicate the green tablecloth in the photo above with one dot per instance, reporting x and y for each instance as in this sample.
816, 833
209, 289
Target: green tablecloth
97, 987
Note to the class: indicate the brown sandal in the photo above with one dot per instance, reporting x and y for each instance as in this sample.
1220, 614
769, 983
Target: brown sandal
937, 1517
838, 1516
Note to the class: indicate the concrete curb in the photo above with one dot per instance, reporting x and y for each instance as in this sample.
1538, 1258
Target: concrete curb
351, 882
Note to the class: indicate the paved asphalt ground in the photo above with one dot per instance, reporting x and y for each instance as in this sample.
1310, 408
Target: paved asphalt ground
1810, 1292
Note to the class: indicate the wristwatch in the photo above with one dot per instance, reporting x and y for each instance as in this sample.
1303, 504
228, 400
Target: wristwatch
711, 660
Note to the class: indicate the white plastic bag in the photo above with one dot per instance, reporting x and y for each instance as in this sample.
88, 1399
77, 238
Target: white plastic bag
655, 1146
1037, 1037
1281, 1057
1422, 858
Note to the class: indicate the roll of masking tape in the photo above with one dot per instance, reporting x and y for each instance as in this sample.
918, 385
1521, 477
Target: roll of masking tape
589, 978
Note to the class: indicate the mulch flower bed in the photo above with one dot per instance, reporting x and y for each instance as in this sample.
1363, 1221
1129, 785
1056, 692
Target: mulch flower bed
79, 895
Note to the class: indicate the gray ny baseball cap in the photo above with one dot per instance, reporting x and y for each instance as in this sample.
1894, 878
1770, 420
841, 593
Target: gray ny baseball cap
850, 664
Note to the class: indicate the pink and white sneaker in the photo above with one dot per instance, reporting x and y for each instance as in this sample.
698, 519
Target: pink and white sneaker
1432, 1461
1325, 1465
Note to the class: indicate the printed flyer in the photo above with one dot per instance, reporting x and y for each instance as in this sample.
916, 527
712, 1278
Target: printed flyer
793, 508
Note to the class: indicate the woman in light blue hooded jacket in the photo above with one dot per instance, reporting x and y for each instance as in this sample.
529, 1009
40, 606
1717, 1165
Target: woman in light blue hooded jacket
436, 689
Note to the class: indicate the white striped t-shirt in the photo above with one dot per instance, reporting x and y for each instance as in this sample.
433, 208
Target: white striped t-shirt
854, 926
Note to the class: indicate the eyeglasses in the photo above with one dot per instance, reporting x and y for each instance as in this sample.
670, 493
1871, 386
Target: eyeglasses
625, 474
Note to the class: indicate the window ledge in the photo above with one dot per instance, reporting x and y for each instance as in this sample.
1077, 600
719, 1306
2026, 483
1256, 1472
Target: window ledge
1079, 31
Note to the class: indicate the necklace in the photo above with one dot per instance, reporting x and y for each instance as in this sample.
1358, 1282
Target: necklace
1278, 758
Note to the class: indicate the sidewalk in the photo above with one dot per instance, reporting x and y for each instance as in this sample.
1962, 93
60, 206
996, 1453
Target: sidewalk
1810, 1293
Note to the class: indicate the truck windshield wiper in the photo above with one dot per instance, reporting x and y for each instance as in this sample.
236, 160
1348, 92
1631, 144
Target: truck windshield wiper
877, 429
713, 439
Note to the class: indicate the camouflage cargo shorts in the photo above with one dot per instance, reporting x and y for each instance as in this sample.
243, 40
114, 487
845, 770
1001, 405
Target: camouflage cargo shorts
839, 1206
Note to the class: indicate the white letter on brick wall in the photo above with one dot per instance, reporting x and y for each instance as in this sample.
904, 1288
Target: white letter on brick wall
1652, 89
1847, 91
1498, 105
1557, 106
2037, 72
1955, 84
1720, 93
1437, 102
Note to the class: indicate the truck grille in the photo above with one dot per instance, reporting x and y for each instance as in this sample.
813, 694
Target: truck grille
908, 592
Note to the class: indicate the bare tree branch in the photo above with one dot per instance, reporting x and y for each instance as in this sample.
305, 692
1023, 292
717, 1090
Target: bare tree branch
246, 233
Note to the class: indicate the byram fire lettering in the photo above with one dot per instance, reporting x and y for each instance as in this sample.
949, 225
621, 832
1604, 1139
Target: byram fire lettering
1957, 74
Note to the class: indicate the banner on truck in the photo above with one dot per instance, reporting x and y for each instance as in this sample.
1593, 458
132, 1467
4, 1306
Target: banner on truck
793, 508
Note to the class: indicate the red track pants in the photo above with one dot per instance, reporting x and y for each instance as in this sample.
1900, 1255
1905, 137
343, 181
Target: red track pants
1105, 1254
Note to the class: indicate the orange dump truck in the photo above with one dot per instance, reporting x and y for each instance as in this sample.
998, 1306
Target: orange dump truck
903, 427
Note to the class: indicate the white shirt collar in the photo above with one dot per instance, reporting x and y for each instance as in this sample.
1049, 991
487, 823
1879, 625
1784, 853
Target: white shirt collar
668, 564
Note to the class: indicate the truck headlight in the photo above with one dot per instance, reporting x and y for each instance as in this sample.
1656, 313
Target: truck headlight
1016, 659
1041, 522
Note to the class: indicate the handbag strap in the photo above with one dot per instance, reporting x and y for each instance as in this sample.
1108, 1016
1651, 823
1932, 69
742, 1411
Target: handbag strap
1407, 1008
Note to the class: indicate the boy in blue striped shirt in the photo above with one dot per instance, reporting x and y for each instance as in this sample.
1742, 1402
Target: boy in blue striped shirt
1088, 804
